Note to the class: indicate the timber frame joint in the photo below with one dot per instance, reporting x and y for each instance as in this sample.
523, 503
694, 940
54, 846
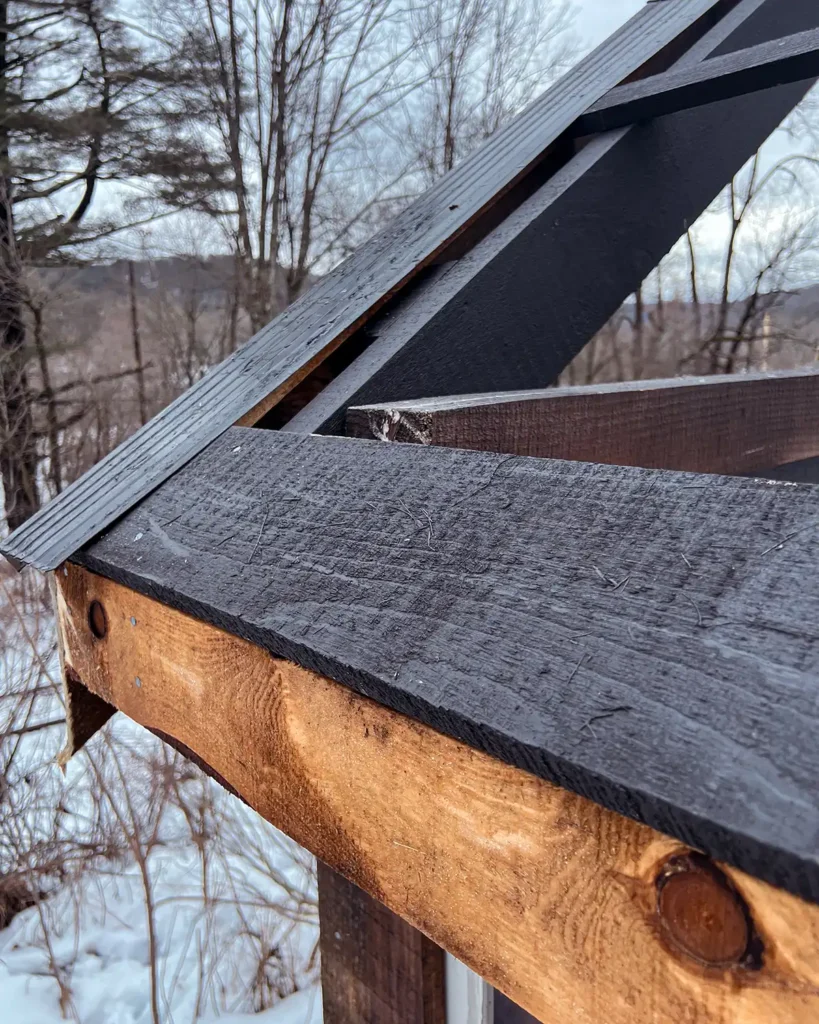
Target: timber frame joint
538, 678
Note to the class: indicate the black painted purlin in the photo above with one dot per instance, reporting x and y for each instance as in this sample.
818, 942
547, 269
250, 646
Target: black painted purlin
781, 62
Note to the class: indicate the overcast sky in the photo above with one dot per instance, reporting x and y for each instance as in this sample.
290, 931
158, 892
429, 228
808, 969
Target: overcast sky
597, 19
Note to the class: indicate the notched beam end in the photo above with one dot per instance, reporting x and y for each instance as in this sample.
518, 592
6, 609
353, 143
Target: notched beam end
86, 712
85, 715
386, 424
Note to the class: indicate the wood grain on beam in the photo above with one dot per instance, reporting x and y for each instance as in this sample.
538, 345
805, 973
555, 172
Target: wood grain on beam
256, 377
376, 968
735, 424
576, 913
471, 1000
779, 62
648, 639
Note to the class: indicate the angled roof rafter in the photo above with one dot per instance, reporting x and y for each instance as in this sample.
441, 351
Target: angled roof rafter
271, 364
515, 310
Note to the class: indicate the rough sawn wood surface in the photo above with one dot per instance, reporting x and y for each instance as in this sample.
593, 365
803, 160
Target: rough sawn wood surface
645, 638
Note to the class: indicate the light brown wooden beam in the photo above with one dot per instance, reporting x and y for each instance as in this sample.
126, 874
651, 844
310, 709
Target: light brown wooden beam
744, 423
577, 914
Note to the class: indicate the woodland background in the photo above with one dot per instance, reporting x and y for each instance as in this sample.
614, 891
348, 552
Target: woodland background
172, 176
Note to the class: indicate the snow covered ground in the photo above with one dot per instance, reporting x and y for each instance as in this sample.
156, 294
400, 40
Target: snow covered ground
209, 961
163, 899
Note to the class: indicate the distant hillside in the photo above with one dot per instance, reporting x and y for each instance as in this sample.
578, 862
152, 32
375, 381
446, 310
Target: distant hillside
805, 303
213, 276
215, 273
175, 274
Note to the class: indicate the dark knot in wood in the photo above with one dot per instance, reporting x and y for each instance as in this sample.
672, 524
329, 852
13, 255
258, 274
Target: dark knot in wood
702, 915
97, 620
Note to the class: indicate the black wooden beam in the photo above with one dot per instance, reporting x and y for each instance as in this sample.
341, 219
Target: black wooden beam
648, 639
513, 312
256, 377
375, 967
780, 62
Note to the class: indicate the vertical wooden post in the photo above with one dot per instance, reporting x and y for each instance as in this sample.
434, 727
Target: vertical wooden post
375, 967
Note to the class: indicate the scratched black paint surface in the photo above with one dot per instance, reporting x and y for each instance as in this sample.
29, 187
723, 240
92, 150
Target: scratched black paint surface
637, 636
514, 311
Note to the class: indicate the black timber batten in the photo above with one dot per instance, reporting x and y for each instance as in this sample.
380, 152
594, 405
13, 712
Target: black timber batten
276, 358
647, 639
780, 62
517, 308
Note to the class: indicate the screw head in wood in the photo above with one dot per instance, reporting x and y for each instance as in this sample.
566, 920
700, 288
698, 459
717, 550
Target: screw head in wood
702, 915
97, 619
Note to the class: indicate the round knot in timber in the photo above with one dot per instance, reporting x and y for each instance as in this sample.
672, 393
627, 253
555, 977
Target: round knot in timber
97, 620
702, 915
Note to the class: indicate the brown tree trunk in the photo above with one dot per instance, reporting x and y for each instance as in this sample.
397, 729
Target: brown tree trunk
18, 443
137, 340
52, 422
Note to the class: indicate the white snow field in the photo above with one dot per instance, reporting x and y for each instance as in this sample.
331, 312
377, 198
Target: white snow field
158, 897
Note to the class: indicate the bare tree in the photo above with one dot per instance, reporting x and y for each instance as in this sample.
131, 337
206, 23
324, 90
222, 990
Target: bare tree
723, 300
771, 243
139, 365
85, 101
295, 95
191, 322
483, 61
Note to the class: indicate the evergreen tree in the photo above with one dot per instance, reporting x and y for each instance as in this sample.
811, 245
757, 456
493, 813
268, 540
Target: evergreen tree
89, 102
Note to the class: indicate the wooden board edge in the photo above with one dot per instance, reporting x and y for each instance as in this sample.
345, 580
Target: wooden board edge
572, 911
722, 424
444, 403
